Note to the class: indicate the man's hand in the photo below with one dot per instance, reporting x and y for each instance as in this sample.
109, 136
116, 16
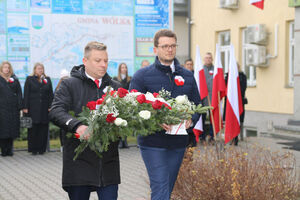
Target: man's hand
81, 129
188, 124
167, 128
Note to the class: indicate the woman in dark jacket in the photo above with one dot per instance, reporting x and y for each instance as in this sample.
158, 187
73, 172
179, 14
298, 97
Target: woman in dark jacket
10, 106
124, 80
38, 97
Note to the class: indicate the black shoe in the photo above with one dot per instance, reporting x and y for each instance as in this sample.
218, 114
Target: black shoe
41, 152
3, 154
10, 153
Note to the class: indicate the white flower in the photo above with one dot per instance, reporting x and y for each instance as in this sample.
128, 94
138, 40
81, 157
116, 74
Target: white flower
108, 100
124, 123
105, 89
145, 114
118, 121
149, 96
181, 99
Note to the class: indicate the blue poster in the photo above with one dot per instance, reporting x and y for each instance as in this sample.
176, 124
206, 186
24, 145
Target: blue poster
67, 6
150, 16
38, 4
17, 23
18, 45
2, 17
17, 5
108, 7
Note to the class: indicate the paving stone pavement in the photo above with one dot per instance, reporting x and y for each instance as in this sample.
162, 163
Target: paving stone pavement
27, 177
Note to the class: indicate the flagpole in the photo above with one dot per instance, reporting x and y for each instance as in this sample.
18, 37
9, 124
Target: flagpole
211, 118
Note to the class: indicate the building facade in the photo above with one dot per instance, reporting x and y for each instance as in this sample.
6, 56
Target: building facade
270, 91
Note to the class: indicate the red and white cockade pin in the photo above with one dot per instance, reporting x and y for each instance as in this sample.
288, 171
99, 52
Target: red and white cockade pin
11, 80
45, 81
179, 80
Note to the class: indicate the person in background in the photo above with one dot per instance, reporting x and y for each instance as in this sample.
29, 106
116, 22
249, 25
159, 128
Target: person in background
162, 153
145, 63
10, 106
124, 80
64, 74
38, 95
209, 75
243, 87
189, 65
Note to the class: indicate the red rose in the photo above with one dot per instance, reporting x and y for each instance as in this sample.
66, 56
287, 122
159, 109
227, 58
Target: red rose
141, 98
122, 92
91, 105
155, 94
156, 105
133, 90
112, 92
110, 118
103, 96
77, 135
99, 101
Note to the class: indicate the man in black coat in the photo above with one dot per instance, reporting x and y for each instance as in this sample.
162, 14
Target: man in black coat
88, 172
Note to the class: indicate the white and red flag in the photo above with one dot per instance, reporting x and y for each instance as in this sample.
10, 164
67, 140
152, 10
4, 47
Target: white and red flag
258, 3
234, 106
218, 91
202, 87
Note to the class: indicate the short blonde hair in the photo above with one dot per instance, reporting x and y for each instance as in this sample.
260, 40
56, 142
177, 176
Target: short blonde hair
94, 45
11, 71
35, 66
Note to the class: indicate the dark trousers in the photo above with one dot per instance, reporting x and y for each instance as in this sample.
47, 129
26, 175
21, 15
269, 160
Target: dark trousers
162, 167
6, 146
109, 192
37, 138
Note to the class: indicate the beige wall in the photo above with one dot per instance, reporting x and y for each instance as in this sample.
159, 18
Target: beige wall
271, 93
181, 30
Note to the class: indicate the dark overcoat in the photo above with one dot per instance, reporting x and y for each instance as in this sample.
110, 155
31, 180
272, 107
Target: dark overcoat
10, 106
88, 168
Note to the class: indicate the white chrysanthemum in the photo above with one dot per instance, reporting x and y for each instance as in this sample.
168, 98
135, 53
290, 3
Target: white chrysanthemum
118, 121
181, 99
145, 114
124, 122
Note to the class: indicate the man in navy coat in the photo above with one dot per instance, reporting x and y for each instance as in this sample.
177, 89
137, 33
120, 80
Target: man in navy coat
163, 153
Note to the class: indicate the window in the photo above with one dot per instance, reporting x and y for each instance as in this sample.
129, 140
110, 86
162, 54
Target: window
291, 52
224, 41
250, 71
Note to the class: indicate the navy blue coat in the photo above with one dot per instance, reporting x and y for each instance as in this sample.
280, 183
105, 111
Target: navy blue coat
152, 79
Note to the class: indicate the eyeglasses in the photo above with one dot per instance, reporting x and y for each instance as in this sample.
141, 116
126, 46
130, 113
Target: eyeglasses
166, 46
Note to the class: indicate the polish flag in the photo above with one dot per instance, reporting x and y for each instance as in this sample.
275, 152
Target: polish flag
234, 106
258, 3
218, 90
199, 75
202, 87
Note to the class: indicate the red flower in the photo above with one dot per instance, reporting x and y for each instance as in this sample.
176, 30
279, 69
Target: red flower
77, 135
155, 94
156, 105
45, 81
122, 92
112, 92
11, 80
103, 96
110, 118
91, 105
133, 90
141, 98
99, 101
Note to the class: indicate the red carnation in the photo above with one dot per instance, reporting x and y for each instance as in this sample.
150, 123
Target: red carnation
91, 105
141, 98
133, 90
122, 92
155, 94
156, 105
112, 92
99, 101
110, 118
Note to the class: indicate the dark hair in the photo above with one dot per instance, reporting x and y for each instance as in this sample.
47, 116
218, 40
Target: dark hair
163, 33
187, 60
